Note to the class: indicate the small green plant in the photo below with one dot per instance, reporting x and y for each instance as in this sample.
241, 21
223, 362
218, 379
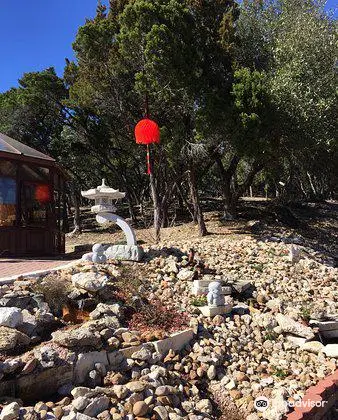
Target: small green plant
258, 267
305, 313
280, 373
270, 335
199, 301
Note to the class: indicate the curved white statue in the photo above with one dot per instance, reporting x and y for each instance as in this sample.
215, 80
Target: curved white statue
103, 218
104, 196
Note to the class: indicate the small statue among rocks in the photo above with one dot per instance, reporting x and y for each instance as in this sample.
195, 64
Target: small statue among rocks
214, 296
97, 255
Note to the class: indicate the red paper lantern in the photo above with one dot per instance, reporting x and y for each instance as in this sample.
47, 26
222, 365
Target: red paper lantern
147, 132
43, 194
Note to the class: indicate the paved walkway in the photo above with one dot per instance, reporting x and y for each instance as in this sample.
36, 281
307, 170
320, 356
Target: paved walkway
17, 266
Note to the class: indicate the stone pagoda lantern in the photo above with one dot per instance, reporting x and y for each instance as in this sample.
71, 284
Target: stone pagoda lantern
104, 209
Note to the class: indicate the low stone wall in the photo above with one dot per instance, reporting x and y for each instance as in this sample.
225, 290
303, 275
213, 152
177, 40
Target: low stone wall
40, 385
37, 386
313, 408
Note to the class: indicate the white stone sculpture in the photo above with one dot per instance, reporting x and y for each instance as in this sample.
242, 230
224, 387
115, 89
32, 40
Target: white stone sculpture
218, 303
214, 296
104, 196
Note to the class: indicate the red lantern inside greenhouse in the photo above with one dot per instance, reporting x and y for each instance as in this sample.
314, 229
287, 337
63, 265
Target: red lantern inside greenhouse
147, 132
43, 194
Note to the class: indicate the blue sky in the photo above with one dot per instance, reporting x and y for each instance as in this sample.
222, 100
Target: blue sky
36, 34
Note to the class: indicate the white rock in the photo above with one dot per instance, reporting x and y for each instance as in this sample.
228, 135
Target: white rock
125, 252
97, 406
80, 403
204, 406
331, 350
185, 275
313, 347
10, 317
10, 411
278, 407
230, 385
90, 281
288, 325
296, 341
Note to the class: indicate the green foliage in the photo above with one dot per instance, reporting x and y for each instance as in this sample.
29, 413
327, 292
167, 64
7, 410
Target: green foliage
280, 373
250, 87
199, 301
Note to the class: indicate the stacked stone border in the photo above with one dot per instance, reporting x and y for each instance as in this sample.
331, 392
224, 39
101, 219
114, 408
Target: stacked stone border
312, 407
36, 386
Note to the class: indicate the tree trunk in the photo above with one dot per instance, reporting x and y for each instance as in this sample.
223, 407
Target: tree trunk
196, 203
230, 196
157, 208
229, 206
132, 214
182, 196
77, 219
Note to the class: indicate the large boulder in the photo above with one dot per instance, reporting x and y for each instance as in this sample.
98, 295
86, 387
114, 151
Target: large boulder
11, 338
106, 309
10, 317
125, 252
79, 337
288, 325
90, 281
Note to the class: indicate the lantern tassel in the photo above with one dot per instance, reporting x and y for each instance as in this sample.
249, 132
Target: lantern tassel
148, 161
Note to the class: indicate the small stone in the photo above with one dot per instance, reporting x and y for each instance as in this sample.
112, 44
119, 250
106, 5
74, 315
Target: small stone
10, 317
240, 377
142, 354
211, 372
140, 408
80, 403
161, 413
204, 406
136, 386
58, 412
97, 406
29, 366
235, 394
331, 350
10, 411
230, 385
165, 390
313, 347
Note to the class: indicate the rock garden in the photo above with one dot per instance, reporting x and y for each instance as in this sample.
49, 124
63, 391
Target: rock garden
136, 340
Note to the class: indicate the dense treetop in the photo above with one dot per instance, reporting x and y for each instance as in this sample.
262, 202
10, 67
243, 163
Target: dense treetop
245, 94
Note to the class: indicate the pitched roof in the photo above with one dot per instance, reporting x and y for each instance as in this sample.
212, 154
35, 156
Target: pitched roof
9, 145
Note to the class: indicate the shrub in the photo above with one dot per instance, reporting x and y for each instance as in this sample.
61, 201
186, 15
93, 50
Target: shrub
156, 317
55, 291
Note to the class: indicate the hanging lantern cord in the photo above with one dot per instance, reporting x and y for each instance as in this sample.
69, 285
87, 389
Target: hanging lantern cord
148, 161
